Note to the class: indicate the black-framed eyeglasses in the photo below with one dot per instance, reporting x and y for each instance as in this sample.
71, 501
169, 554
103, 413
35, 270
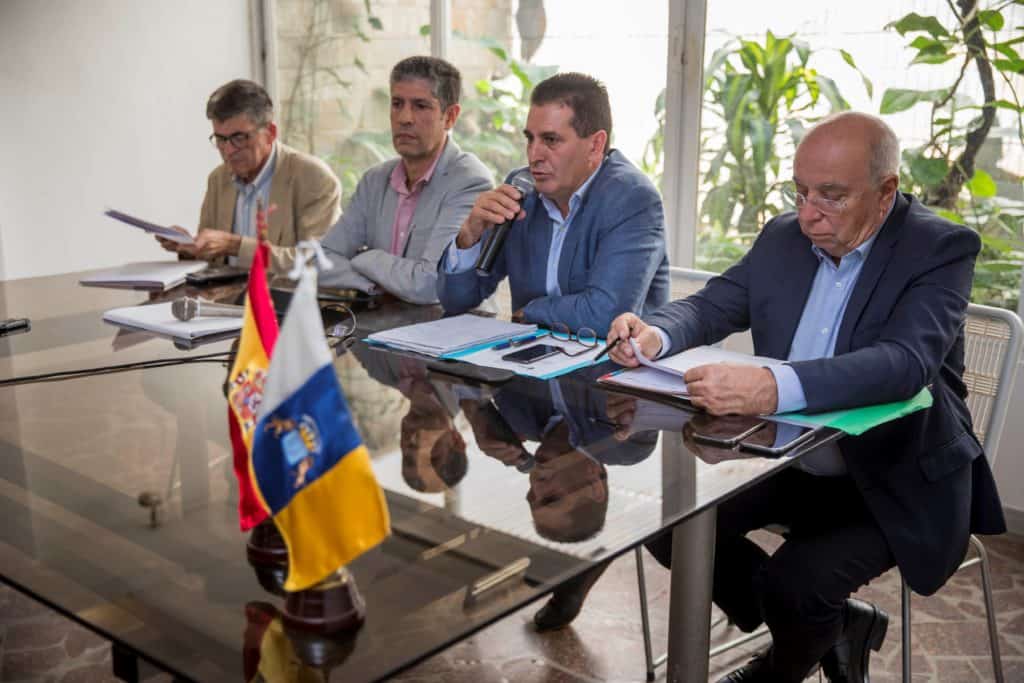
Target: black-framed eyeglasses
340, 332
584, 336
238, 140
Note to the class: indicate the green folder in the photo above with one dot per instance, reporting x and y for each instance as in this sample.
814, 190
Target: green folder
856, 421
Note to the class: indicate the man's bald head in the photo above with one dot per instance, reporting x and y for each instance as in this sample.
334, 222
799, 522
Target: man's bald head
864, 131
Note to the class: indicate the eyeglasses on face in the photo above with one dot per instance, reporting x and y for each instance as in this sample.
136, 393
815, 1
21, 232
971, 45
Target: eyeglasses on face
829, 207
237, 140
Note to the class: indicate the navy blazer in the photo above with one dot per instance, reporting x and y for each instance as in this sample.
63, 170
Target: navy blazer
921, 476
613, 259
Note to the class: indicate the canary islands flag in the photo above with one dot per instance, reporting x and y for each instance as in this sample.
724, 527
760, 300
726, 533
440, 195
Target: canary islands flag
310, 466
245, 384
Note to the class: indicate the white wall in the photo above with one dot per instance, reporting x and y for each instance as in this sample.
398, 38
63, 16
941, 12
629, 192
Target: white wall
103, 105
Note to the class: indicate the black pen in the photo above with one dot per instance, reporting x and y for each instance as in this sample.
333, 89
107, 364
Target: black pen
606, 349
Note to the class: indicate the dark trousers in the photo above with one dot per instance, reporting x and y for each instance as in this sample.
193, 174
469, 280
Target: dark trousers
833, 547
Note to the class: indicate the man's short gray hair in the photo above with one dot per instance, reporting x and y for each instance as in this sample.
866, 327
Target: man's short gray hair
240, 97
445, 80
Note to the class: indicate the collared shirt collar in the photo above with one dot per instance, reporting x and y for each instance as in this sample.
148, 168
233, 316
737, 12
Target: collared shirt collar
574, 200
865, 248
399, 178
265, 173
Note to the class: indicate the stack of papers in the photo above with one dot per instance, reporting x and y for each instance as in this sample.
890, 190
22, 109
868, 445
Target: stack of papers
665, 376
451, 337
157, 318
159, 275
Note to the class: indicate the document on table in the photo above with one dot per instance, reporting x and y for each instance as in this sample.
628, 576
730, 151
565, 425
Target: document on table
665, 375
451, 337
162, 231
545, 368
160, 275
159, 319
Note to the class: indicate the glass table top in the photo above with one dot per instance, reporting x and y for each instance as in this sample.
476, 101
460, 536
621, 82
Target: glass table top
482, 473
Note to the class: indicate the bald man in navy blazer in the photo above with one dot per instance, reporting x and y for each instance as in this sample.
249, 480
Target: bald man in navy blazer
864, 292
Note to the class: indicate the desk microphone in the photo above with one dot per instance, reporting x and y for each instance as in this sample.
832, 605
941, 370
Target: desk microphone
523, 182
187, 308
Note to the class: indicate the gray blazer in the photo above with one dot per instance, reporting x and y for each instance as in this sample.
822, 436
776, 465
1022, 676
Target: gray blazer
359, 244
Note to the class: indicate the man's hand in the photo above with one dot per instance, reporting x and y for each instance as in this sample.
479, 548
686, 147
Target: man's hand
177, 247
730, 389
629, 325
490, 208
621, 410
211, 244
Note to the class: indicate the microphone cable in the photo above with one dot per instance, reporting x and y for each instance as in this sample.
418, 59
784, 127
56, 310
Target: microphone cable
218, 357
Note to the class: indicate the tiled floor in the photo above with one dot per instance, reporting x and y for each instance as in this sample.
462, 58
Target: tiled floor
605, 643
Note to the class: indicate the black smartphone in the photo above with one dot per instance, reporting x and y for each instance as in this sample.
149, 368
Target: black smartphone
217, 274
531, 353
806, 435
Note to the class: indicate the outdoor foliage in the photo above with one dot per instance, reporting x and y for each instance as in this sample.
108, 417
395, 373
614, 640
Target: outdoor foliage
944, 171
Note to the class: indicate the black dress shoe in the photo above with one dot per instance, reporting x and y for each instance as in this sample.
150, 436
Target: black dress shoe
864, 627
754, 671
567, 601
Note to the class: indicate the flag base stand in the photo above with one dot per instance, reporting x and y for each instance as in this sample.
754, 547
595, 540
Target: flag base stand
331, 606
268, 556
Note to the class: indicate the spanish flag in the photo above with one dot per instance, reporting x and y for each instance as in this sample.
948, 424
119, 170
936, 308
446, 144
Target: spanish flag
309, 463
245, 384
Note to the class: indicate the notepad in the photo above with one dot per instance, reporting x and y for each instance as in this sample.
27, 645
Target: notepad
158, 319
450, 337
158, 275
665, 376
161, 230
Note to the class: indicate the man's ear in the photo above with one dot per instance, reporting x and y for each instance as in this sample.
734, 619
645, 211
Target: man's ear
597, 144
890, 184
272, 131
451, 115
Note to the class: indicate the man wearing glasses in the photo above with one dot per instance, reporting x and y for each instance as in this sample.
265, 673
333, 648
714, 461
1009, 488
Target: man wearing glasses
864, 291
303, 193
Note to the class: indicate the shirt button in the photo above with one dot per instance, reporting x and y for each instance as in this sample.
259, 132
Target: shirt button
824, 330
839, 285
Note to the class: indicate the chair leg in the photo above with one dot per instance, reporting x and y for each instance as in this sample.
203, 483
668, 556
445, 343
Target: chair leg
990, 610
905, 608
641, 584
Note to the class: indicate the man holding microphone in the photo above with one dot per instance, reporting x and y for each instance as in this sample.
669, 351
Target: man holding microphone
588, 244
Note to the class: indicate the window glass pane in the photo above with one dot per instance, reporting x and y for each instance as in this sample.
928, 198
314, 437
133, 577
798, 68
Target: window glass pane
764, 87
520, 43
333, 62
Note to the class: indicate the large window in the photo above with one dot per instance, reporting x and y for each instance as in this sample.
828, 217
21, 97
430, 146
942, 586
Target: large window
770, 73
770, 70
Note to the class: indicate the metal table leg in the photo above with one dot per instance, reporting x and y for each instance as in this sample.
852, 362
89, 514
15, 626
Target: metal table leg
689, 615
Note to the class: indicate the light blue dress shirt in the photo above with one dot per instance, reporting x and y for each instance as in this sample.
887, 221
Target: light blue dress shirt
461, 260
248, 194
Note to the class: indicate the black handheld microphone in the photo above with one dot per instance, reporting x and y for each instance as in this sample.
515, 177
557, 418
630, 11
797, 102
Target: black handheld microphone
523, 182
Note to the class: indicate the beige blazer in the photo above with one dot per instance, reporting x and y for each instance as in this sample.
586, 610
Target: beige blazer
308, 199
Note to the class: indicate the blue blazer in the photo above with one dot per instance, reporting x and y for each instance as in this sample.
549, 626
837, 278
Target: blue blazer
613, 259
921, 476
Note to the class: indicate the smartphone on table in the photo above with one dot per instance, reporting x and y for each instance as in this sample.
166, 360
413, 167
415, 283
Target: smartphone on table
531, 354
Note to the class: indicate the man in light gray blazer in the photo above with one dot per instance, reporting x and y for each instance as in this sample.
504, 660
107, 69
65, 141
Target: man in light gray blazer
406, 210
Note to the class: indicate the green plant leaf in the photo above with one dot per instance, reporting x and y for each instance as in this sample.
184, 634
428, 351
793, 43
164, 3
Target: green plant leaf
831, 93
927, 172
916, 22
358, 63
425, 30
932, 57
1012, 65
949, 215
896, 99
868, 86
991, 18
981, 184
376, 23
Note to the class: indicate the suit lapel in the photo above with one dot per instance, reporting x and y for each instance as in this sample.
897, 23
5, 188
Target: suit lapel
279, 191
226, 207
576, 231
878, 259
426, 202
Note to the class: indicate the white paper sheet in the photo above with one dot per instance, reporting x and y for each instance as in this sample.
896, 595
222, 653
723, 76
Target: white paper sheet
159, 319
545, 368
160, 275
451, 335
